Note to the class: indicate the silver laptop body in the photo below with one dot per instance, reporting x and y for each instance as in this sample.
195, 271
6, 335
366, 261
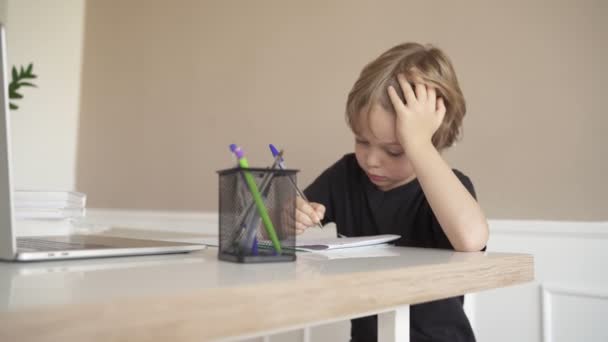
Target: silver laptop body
56, 247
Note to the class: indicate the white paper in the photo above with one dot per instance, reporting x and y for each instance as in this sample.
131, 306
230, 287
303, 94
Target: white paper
49, 199
343, 242
376, 251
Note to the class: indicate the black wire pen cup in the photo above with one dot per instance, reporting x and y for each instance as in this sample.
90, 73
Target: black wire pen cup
246, 233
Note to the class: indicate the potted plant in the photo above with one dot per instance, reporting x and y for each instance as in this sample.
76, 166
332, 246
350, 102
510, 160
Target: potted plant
20, 79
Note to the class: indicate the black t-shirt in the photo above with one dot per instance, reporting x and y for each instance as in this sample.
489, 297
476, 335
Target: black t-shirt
359, 208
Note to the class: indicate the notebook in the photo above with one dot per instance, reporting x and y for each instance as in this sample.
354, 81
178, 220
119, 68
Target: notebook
56, 247
310, 245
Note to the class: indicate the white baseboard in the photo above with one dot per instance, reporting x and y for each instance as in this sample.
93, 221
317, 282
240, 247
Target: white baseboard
561, 228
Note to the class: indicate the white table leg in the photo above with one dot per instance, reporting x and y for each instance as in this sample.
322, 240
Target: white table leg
394, 325
306, 334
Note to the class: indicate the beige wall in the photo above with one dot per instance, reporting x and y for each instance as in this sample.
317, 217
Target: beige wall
168, 85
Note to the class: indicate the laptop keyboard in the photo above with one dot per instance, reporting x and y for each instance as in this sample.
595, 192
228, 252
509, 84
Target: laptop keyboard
36, 244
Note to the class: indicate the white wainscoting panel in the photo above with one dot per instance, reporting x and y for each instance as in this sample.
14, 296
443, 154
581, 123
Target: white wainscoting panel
564, 303
574, 314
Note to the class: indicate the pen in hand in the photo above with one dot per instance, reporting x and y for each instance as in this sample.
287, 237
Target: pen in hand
277, 154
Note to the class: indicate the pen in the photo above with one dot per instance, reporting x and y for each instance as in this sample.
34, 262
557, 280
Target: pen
257, 198
275, 154
246, 239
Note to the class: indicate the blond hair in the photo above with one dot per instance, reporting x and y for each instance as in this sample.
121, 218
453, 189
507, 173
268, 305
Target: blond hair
418, 63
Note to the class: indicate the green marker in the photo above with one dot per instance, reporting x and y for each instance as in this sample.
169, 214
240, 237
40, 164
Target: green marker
257, 197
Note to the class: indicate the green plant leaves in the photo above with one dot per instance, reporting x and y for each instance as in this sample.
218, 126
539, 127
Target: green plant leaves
19, 80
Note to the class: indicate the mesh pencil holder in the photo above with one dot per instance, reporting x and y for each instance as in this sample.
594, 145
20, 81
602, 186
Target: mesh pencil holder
257, 230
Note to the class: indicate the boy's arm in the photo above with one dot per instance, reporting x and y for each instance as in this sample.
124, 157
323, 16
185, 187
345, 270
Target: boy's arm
458, 213
320, 191
318, 209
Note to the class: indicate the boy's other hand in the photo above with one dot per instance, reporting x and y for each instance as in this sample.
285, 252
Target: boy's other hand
420, 117
308, 214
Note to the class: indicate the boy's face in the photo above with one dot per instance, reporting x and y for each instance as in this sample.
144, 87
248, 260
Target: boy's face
379, 153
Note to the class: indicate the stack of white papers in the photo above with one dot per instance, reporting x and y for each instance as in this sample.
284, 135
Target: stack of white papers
310, 245
49, 205
318, 244
383, 250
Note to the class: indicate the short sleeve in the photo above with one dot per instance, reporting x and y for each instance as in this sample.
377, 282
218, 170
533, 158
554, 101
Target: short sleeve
466, 181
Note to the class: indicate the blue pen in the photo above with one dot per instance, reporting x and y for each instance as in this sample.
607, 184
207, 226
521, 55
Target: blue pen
276, 154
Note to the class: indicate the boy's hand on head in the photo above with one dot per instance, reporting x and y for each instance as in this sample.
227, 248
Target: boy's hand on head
420, 117
308, 214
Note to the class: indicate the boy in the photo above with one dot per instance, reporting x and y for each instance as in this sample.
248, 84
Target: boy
404, 109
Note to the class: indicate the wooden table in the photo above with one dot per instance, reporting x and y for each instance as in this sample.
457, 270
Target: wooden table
195, 297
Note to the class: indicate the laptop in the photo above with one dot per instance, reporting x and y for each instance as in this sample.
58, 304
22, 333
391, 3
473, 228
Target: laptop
33, 248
